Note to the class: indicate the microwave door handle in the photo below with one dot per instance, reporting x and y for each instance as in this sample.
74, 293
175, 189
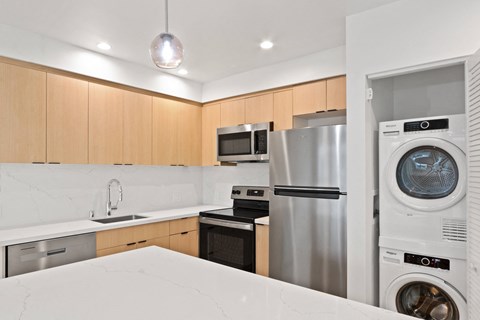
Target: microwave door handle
253, 140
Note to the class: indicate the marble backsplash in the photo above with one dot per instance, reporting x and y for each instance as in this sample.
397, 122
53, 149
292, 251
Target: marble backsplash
37, 194
218, 181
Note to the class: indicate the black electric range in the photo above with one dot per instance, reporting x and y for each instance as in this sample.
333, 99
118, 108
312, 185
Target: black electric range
227, 236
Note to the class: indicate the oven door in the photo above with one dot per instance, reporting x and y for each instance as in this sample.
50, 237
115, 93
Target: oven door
230, 243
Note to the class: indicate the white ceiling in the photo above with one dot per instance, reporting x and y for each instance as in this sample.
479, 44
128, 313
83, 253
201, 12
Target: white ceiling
220, 37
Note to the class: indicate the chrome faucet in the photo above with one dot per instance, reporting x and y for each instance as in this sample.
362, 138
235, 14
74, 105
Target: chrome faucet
111, 207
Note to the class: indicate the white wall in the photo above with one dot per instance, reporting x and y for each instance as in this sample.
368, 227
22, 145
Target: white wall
31, 47
401, 34
315, 66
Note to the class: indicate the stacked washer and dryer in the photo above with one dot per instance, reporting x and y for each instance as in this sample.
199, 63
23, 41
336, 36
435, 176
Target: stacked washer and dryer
422, 185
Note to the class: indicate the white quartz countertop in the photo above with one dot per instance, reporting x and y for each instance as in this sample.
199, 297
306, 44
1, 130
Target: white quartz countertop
263, 220
49, 231
155, 283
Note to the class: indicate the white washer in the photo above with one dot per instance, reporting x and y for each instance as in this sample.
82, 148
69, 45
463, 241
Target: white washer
422, 184
423, 286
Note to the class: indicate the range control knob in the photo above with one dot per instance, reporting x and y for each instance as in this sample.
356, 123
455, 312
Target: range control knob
236, 192
425, 261
424, 125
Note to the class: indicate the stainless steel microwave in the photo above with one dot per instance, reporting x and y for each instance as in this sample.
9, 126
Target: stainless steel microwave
248, 142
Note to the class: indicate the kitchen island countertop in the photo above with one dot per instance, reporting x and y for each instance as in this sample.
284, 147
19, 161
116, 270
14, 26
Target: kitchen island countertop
155, 283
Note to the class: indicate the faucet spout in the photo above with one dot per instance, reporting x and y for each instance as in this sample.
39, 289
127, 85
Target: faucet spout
111, 207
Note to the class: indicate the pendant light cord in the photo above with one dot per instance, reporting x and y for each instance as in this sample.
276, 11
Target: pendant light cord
166, 16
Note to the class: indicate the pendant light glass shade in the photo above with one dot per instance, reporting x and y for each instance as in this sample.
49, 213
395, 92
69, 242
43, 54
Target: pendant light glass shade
166, 50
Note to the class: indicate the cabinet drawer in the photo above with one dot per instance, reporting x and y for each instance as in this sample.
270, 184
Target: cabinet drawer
115, 237
150, 231
163, 242
118, 249
186, 242
183, 225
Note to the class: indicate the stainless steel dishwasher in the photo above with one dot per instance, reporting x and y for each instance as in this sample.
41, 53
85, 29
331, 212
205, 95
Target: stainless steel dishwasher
33, 256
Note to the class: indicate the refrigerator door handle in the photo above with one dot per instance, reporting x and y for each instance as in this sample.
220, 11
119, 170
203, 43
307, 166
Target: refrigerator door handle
307, 192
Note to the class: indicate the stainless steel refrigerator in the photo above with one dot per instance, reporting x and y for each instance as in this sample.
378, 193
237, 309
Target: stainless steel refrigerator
308, 201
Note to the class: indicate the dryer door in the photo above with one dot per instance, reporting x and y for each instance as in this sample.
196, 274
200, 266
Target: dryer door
427, 174
426, 297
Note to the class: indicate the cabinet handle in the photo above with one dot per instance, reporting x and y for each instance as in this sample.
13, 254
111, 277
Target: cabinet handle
38, 162
173, 165
182, 233
320, 111
143, 241
332, 110
117, 164
131, 244
54, 163
129, 164
181, 165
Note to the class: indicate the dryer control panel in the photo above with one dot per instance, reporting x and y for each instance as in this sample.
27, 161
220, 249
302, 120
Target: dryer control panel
425, 125
426, 261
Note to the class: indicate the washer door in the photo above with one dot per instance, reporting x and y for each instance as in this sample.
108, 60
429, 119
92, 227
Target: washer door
427, 174
426, 297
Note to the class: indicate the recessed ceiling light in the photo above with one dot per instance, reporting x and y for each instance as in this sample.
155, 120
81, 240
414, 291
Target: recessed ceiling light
183, 72
266, 44
104, 46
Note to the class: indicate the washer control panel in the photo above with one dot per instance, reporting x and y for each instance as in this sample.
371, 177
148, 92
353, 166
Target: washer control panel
426, 261
425, 125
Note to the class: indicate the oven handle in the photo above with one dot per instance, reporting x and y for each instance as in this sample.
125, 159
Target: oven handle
227, 224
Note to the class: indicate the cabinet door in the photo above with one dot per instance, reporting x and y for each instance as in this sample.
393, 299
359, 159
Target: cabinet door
186, 242
184, 224
309, 98
22, 114
189, 135
67, 119
137, 134
162, 242
262, 250
259, 108
115, 237
232, 113
283, 110
105, 122
337, 93
165, 132
118, 249
210, 123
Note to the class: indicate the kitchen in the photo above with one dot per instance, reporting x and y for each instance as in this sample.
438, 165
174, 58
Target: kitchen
24, 200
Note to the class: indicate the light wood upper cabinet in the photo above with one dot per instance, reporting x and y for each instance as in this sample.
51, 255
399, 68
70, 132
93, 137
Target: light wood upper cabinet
283, 110
22, 114
105, 123
189, 135
67, 120
232, 113
165, 131
210, 123
337, 93
137, 133
259, 108
310, 98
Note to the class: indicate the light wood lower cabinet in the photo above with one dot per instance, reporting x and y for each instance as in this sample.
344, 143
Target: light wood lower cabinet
262, 247
179, 235
124, 239
184, 236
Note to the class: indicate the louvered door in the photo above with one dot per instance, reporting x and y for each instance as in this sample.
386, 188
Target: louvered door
473, 194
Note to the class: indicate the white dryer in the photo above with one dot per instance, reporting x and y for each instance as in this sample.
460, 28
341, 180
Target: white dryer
423, 286
422, 184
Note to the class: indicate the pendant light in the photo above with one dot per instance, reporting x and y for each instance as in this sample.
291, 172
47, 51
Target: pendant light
166, 50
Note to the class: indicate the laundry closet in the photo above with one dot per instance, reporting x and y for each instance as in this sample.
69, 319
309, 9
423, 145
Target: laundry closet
420, 184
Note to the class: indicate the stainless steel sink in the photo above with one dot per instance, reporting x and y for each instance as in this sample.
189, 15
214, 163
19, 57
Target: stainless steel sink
119, 219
